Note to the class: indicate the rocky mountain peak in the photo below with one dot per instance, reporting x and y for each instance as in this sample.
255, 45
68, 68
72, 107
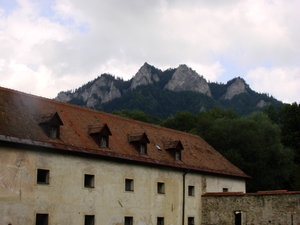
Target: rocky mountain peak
144, 76
100, 90
186, 79
236, 86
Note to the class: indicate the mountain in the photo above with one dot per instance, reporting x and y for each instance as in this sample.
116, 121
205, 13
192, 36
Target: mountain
163, 93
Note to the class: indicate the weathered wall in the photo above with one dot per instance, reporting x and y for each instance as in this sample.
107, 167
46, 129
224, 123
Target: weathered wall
258, 209
66, 200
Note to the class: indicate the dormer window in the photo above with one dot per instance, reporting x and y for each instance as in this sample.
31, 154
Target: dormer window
140, 141
51, 125
143, 148
178, 155
100, 133
175, 148
53, 132
104, 141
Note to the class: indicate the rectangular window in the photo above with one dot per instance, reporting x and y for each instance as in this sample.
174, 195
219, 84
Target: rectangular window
177, 155
89, 180
42, 176
129, 185
89, 220
160, 187
191, 221
143, 148
225, 189
41, 219
160, 221
54, 132
191, 190
104, 141
128, 220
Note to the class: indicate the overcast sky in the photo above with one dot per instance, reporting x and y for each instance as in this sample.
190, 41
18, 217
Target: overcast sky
47, 46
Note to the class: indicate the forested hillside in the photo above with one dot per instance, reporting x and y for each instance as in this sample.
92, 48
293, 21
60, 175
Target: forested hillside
265, 145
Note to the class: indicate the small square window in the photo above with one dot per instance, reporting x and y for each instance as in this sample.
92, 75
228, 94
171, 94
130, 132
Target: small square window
128, 220
160, 220
191, 190
160, 187
177, 155
89, 220
143, 148
104, 141
89, 180
42, 176
129, 185
41, 219
191, 221
225, 189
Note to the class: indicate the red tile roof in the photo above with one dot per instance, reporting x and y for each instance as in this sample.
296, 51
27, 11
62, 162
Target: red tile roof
20, 116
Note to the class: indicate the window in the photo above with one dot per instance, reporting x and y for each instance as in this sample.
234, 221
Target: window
128, 184
89, 181
160, 220
238, 217
89, 220
191, 190
143, 148
160, 188
178, 155
53, 132
191, 221
104, 141
128, 220
41, 219
225, 189
42, 176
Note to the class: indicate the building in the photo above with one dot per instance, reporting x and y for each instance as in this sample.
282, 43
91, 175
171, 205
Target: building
64, 164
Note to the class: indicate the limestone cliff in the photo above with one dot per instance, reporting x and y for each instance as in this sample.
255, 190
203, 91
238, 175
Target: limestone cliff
144, 76
186, 79
238, 86
99, 91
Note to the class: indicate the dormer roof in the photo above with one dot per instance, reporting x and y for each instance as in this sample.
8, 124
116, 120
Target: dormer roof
138, 137
173, 145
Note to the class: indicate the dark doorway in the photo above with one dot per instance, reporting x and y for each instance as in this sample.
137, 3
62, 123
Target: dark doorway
238, 217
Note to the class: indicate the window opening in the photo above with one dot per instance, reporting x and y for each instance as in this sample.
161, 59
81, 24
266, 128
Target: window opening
89, 180
42, 176
160, 187
104, 141
128, 220
191, 221
128, 184
177, 155
143, 148
53, 132
160, 220
89, 220
191, 190
41, 219
238, 217
225, 189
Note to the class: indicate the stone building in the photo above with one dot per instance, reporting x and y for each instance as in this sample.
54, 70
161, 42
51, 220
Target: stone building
64, 164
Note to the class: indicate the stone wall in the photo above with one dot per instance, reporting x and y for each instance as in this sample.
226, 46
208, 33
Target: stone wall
262, 208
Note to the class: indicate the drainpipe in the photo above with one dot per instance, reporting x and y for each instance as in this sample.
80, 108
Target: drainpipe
183, 196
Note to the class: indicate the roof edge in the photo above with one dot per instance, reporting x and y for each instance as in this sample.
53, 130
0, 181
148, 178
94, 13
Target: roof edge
114, 155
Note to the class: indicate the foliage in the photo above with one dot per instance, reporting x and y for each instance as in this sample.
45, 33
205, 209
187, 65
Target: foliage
252, 143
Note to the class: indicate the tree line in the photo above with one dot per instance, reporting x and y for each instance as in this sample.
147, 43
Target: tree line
265, 145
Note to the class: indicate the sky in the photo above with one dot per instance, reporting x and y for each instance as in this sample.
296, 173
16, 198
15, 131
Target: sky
48, 46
